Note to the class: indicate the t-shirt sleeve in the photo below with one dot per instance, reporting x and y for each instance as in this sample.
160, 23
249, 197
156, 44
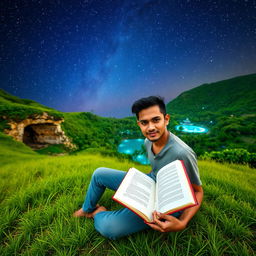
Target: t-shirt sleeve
190, 163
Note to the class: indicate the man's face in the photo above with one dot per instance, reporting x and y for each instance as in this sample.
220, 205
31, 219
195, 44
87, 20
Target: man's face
153, 123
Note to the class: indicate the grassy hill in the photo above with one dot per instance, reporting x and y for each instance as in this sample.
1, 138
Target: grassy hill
39, 195
234, 96
6, 98
227, 108
15, 108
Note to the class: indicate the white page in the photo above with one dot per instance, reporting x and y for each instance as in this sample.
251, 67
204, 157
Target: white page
138, 191
172, 187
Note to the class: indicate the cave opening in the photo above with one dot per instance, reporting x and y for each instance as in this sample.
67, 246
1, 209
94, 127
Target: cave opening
39, 136
29, 136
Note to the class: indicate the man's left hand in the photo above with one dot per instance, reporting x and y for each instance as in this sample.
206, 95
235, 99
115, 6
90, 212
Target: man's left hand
166, 223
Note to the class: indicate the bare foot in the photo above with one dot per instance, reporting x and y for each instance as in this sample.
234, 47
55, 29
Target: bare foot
81, 213
99, 209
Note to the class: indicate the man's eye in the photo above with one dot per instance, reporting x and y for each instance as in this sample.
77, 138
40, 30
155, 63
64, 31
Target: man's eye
156, 120
143, 122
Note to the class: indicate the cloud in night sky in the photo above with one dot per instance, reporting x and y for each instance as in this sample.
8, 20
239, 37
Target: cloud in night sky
100, 56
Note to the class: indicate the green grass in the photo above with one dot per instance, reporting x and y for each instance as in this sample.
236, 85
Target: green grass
38, 195
53, 150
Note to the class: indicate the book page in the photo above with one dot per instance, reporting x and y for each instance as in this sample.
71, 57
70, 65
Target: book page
173, 189
137, 190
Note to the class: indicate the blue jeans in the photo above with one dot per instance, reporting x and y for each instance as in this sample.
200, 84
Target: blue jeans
112, 224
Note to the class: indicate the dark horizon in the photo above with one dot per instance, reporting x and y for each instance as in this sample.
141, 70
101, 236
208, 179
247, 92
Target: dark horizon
131, 114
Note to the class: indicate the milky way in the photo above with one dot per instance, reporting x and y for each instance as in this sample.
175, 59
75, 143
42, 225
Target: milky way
100, 56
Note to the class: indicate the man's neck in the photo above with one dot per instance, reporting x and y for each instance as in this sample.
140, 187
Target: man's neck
158, 145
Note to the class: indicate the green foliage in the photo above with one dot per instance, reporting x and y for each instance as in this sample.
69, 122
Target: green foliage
238, 156
90, 131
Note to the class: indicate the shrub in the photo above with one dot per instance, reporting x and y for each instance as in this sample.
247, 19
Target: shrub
238, 156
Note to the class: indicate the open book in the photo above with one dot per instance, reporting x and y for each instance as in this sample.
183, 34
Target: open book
171, 192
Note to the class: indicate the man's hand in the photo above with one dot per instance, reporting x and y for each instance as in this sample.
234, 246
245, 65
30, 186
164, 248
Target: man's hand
166, 223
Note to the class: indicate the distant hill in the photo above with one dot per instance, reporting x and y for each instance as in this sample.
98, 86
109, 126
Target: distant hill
236, 96
227, 108
6, 98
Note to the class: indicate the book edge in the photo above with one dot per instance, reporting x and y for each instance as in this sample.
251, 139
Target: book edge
134, 210
189, 182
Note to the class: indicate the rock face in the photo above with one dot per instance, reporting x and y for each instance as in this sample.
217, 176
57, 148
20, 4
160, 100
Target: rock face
39, 131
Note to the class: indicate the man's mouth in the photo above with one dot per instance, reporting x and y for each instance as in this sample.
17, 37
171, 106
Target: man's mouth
152, 134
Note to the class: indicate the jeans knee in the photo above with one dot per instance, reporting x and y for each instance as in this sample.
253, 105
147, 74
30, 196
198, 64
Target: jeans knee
108, 229
98, 172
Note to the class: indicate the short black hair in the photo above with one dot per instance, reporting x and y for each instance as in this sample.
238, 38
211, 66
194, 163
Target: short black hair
148, 102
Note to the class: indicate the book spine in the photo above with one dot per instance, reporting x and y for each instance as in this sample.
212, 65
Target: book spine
126, 206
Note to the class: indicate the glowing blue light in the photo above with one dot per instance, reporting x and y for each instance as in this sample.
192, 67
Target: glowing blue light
130, 146
191, 128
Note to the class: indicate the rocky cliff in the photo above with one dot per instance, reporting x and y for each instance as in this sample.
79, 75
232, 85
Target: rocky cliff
39, 131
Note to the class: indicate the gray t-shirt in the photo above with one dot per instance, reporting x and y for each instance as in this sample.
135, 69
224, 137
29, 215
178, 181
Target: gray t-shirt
175, 149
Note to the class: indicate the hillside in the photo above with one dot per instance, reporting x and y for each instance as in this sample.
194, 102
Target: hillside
38, 195
6, 98
91, 131
227, 108
234, 96
12, 107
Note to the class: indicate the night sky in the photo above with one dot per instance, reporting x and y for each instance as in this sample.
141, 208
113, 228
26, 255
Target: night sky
101, 56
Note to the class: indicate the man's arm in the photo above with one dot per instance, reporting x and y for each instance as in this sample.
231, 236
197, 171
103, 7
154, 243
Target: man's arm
168, 223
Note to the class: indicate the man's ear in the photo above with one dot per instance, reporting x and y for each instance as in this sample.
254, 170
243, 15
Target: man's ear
167, 118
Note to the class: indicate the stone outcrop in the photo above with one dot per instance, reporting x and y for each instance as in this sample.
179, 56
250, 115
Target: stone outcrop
39, 130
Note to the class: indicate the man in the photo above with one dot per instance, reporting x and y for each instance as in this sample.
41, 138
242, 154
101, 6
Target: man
162, 148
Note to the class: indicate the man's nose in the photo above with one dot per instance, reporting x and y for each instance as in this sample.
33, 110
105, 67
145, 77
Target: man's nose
151, 126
